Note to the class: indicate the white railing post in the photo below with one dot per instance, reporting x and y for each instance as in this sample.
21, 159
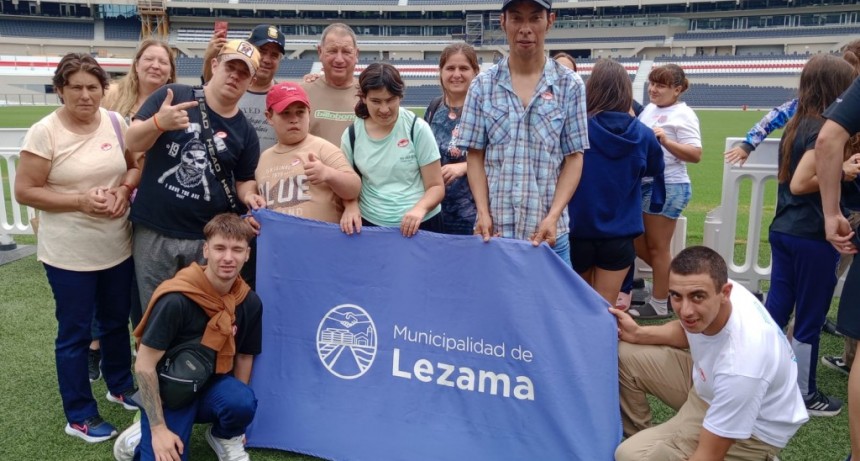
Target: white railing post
14, 218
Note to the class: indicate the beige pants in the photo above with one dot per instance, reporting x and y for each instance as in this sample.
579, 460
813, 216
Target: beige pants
666, 373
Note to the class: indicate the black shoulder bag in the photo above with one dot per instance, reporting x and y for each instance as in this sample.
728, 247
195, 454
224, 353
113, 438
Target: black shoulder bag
221, 175
183, 373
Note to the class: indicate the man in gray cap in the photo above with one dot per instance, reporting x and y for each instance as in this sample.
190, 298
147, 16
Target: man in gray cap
524, 125
269, 40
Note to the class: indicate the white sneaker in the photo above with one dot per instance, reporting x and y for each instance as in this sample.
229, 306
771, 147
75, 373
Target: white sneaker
123, 448
228, 449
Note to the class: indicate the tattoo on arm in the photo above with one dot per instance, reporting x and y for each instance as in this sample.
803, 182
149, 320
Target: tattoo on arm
149, 397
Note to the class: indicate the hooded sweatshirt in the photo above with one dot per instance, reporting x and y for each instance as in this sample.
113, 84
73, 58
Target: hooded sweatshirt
608, 202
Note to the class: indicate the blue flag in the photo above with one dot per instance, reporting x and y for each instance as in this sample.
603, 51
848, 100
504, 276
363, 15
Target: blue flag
435, 347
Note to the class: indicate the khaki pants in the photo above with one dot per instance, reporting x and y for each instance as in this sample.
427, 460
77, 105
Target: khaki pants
666, 373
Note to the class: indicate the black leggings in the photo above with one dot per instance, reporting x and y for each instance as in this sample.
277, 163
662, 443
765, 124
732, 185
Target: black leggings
433, 224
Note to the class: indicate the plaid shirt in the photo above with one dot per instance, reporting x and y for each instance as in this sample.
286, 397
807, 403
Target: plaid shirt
524, 147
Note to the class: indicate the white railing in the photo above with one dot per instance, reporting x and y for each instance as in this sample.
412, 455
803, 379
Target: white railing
721, 223
29, 99
14, 218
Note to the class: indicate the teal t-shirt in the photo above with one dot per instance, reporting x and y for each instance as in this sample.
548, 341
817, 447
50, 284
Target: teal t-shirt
390, 168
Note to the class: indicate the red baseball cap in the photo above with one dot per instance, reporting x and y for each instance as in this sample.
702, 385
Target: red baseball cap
283, 94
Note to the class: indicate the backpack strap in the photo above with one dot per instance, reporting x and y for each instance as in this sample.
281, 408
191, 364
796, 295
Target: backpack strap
432, 108
114, 120
352, 148
412, 130
351, 130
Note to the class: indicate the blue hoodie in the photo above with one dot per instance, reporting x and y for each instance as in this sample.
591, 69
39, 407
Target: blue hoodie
608, 202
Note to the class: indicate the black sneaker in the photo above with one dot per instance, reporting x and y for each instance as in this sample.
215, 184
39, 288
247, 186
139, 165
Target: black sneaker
647, 311
836, 362
830, 328
640, 295
821, 405
124, 398
94, 362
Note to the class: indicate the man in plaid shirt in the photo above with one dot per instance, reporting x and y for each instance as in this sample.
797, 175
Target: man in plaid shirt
524, 125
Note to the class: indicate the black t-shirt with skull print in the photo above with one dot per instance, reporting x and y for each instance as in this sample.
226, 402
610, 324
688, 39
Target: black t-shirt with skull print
178, 191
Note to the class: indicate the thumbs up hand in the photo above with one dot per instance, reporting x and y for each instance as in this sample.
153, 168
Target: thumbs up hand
172, 117
316, 171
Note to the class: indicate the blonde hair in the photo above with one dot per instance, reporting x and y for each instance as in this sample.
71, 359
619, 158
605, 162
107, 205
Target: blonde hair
124, 92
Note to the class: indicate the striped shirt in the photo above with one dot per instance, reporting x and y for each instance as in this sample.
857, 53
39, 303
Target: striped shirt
524, 148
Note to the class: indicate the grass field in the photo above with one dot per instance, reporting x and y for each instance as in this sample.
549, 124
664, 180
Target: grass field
33, 420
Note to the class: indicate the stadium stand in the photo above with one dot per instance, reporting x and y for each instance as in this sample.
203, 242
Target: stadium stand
644, 38
734, 96
294, 69
122, 28
767, 33
717, 42
47, 29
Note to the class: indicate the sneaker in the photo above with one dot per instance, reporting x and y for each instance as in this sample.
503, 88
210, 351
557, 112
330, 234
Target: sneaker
124, 398
227, 449
123, 448
92, 430
94, 362
822, 405
640, 295
648, 312
830, 327
836, 362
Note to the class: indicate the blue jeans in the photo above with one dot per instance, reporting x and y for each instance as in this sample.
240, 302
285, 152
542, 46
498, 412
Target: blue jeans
81, 296
562, 247
677, 198
227, 403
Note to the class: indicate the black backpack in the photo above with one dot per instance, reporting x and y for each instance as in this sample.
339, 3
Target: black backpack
431, 109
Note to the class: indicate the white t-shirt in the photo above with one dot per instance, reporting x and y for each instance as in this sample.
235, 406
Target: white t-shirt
680, 124
253, 105
74, 240
747, 373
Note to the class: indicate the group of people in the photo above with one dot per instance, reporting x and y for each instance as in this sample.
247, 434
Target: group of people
141, 184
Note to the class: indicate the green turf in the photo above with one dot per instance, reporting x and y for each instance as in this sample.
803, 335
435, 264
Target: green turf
22, 116
33, 420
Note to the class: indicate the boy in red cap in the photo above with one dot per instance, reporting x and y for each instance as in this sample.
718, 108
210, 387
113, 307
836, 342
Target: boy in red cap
302, 175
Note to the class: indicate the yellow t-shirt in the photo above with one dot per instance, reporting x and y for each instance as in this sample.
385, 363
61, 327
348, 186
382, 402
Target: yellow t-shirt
281, 179
74, 240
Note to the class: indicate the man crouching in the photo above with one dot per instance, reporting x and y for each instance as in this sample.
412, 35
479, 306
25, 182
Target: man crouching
213, 305
735, 389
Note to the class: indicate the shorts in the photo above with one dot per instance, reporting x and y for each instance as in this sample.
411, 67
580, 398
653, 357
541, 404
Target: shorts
848, 315
677, 198
612, 254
